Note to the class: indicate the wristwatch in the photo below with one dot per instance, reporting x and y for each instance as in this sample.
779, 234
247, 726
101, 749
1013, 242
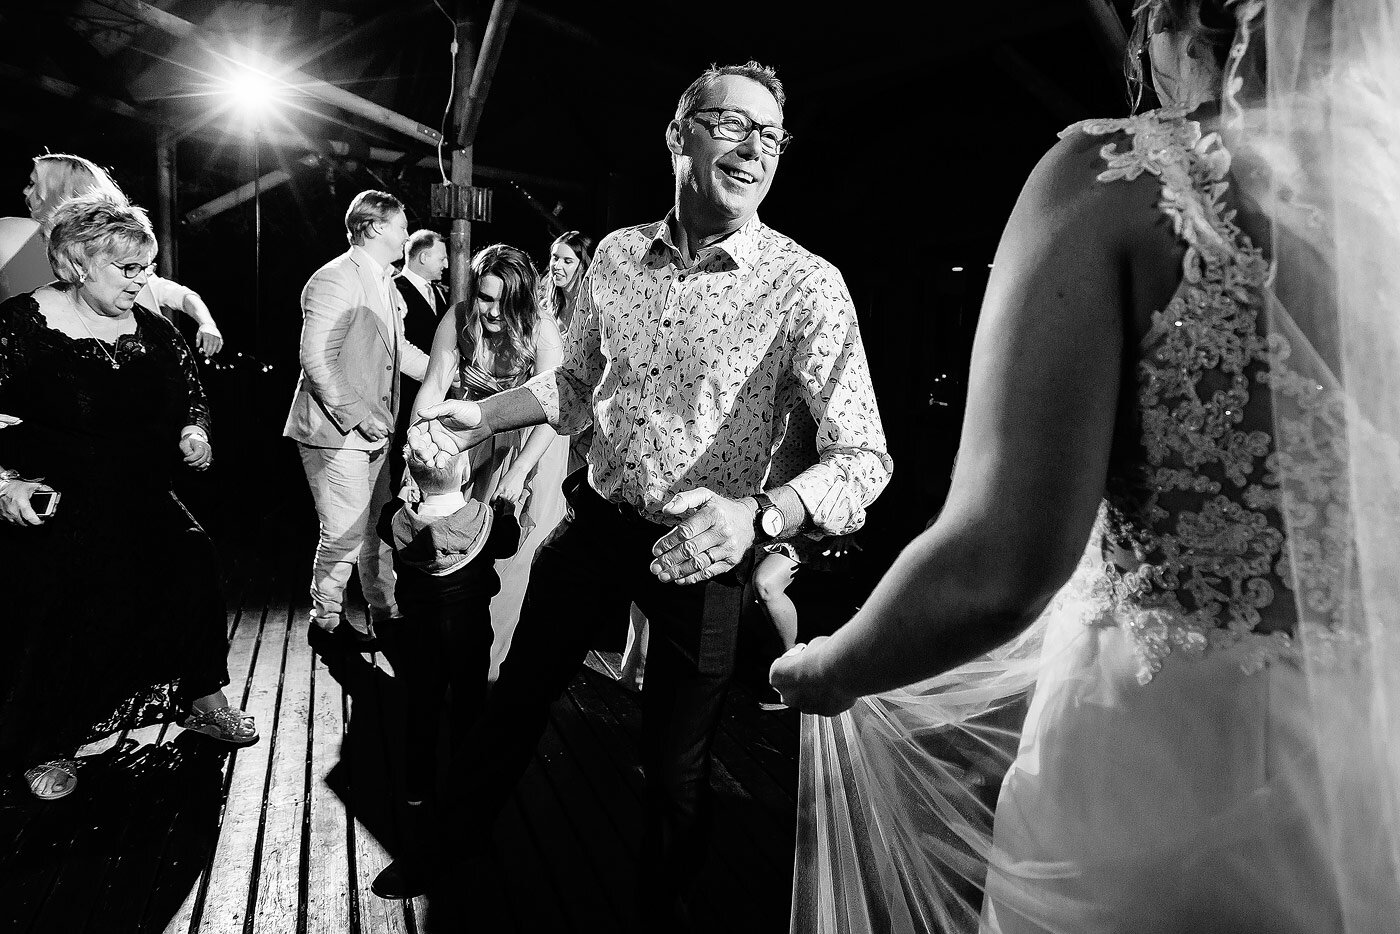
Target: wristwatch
768, 520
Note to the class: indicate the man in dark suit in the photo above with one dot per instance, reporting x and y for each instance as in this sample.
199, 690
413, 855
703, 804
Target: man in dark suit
425, 300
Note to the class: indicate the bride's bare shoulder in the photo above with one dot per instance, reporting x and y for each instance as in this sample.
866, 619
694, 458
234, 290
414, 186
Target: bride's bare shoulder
1077, 182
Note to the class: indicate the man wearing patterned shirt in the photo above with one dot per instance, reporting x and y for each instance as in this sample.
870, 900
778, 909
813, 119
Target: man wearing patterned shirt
688, 333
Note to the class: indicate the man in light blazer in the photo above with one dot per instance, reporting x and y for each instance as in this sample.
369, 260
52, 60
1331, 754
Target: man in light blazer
352, 352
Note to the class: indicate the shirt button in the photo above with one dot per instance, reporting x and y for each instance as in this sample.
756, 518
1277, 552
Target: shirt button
641, 420
383, 398
655, 370
389, 368
666, 323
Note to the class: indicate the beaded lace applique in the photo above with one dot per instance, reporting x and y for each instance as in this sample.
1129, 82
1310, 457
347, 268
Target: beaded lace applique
1198, 511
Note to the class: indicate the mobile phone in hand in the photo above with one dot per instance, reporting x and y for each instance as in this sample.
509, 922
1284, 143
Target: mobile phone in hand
43, 502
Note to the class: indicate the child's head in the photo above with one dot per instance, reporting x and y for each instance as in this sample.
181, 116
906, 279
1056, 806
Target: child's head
432, 479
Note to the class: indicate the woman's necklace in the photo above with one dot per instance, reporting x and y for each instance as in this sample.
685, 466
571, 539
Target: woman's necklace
100, 346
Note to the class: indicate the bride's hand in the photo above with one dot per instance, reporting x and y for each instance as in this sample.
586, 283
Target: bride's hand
801, 678
7, 420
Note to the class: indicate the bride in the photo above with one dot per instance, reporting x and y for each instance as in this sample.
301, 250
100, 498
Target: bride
1189, 358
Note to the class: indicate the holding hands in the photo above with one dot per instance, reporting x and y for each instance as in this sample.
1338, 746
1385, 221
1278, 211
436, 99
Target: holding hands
800, 676
713, 538
446, 430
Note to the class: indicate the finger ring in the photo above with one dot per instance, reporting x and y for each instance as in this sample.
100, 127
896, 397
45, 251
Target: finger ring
702, 560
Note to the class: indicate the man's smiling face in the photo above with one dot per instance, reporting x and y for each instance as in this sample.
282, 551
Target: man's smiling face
727, 179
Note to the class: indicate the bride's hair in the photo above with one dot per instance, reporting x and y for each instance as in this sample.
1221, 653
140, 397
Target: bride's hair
1210, 24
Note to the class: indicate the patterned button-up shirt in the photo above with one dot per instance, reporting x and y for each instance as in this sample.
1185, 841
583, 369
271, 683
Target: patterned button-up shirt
683, 372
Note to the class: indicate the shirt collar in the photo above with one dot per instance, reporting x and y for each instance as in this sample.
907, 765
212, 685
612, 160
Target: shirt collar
741, 246
423, 285
375, 266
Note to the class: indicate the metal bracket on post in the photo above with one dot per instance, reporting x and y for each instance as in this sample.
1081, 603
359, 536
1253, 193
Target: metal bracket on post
461, 202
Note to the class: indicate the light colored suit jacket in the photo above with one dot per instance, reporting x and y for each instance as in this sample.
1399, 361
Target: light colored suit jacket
352, 351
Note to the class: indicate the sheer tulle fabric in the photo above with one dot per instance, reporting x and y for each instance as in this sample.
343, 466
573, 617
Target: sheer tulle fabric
1320, 137
1252, 786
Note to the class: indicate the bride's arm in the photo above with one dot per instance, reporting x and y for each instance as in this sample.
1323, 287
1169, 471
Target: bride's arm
1032, 459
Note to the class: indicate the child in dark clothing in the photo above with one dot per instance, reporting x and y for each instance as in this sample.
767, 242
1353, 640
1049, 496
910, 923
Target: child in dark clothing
445, 548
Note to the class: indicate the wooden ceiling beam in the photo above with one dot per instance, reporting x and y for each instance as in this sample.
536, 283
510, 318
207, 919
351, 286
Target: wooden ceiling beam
502, 11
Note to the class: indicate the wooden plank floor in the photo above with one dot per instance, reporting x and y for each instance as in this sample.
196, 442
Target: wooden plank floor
169, 832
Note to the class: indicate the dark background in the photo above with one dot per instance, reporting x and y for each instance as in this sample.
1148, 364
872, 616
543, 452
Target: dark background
914, 124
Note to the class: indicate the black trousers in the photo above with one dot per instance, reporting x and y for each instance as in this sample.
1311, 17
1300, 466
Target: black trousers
443, 640
582, 581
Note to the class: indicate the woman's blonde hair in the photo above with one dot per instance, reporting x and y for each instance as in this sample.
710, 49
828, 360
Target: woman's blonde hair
59, 176
93, 227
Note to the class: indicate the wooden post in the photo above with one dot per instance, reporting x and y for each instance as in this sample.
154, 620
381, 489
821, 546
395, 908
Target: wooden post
460, 241
165, 206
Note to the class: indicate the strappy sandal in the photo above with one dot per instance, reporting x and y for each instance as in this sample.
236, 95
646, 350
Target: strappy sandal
35, 776
226, 724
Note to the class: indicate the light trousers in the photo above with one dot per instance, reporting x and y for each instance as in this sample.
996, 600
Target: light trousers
349, 489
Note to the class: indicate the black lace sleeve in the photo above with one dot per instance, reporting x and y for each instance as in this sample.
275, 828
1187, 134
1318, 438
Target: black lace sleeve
16, 324
184, 376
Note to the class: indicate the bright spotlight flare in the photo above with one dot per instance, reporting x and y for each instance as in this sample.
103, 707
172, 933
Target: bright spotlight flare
254, 92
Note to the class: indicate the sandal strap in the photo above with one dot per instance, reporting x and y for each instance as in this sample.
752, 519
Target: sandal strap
225, 719
68, 767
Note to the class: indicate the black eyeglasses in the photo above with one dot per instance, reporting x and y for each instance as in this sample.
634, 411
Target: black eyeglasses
736, 127
132, 270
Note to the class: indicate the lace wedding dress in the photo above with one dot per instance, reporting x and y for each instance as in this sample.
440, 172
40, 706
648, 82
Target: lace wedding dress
1165, 777
1166, 762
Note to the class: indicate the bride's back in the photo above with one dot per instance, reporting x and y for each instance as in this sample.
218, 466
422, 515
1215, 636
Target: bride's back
1190, 528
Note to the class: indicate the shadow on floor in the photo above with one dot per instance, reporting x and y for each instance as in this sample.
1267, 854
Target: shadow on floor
123, 851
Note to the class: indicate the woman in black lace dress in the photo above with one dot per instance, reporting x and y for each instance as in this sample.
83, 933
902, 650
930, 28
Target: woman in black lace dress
113, 610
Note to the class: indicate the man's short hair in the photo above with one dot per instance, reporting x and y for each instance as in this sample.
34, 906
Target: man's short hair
762, 74
369, 207
421, 240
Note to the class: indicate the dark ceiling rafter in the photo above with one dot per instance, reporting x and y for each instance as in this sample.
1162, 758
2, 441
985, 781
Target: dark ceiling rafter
1065, 106
1111, 37
73, 92
949, 48
558, 24
62, 55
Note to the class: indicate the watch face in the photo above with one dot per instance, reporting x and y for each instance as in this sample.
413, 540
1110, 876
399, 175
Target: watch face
771, 522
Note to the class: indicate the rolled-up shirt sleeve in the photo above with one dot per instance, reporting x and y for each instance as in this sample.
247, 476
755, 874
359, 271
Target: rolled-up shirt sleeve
566, 392
829, 365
